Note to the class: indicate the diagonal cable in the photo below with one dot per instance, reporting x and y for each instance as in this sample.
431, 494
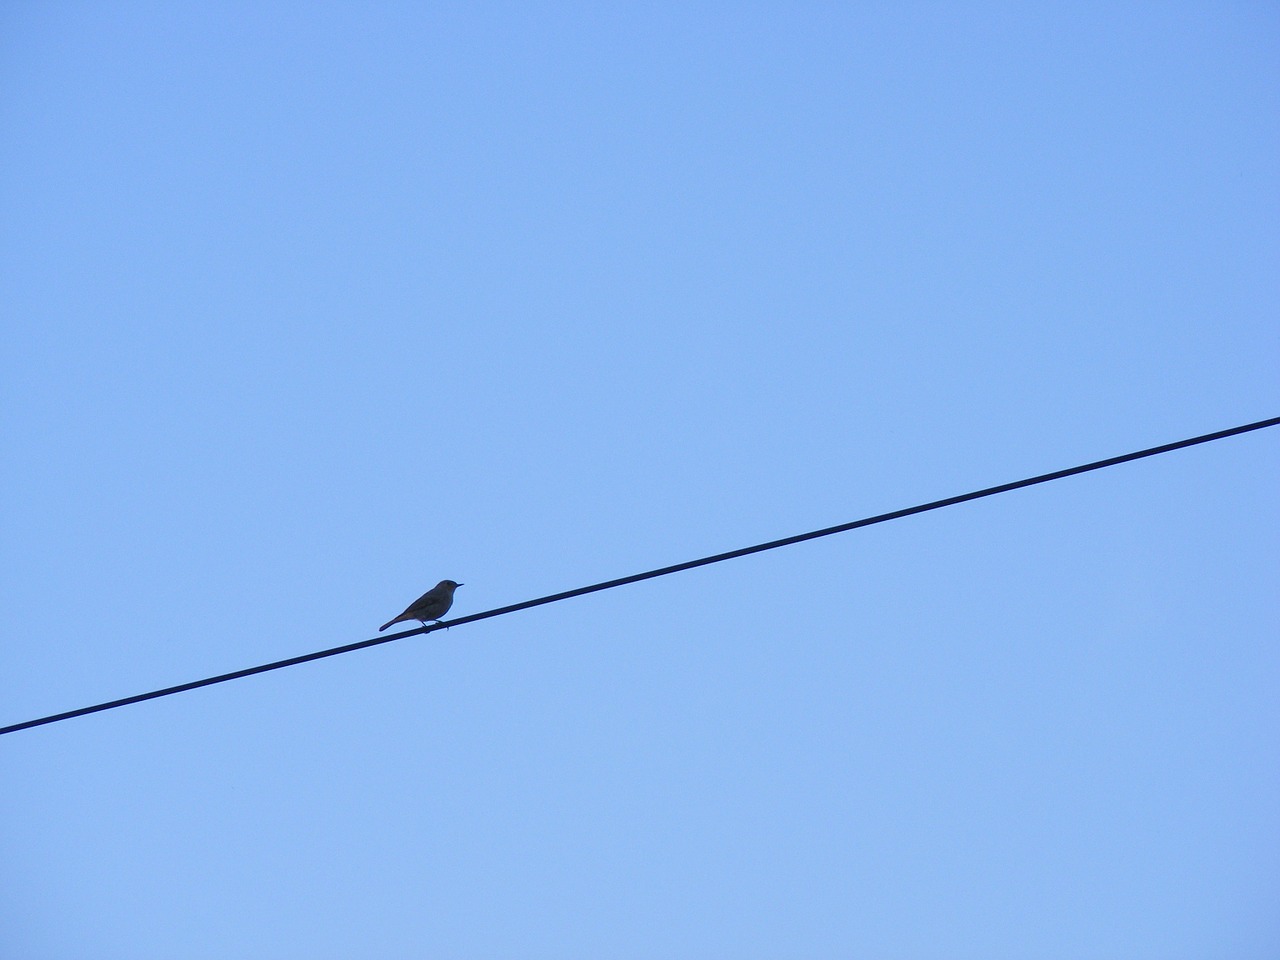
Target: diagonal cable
659, 572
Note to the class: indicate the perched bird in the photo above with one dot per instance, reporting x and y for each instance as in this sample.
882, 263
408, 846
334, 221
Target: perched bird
432, 605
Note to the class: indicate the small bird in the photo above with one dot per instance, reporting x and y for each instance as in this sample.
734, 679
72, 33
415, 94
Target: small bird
432, 605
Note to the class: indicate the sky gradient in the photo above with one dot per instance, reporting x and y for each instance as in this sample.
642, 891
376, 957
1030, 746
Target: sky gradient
310, 306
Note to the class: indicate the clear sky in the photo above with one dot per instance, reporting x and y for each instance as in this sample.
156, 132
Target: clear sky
307, 306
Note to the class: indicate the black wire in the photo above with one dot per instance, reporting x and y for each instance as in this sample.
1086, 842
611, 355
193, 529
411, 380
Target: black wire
649, 575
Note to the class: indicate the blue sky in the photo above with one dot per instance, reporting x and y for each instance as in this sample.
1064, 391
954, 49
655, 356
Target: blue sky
308, 306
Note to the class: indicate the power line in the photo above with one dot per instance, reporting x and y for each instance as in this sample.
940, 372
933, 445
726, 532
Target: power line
660, 572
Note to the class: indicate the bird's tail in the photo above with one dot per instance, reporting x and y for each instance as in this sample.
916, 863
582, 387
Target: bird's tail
387, 624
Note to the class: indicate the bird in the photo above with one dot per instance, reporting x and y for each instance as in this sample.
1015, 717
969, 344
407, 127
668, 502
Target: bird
432, 605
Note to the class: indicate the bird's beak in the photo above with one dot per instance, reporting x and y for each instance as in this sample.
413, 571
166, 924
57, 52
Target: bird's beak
462, 585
